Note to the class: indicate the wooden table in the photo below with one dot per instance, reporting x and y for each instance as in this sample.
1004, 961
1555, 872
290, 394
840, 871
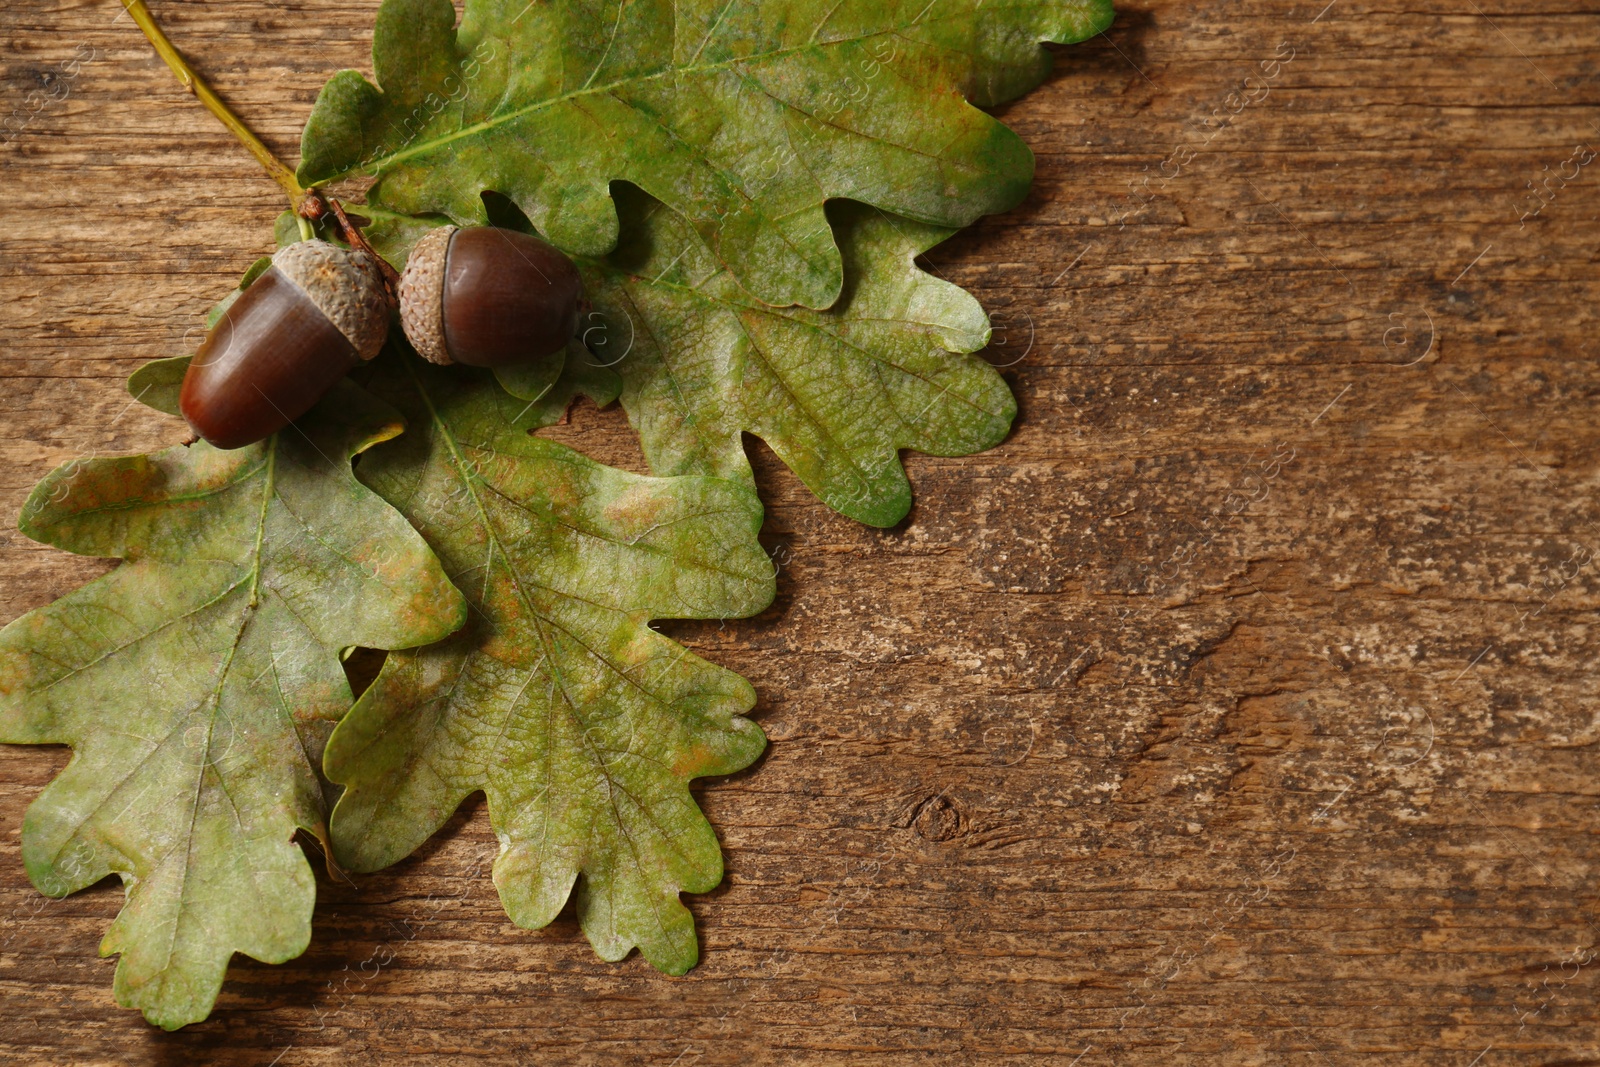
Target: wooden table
1238, 709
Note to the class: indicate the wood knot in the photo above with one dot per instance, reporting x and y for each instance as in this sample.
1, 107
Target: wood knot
939, 818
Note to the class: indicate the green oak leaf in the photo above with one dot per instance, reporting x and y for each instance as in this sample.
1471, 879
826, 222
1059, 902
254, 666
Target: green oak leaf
581, 724
197, 684
742, 117
836, 393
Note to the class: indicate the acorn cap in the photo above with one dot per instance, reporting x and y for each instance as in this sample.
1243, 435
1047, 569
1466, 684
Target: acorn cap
421, 293
346, 286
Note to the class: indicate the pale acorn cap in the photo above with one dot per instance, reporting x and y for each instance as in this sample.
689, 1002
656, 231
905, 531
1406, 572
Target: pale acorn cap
346, 286
421, 292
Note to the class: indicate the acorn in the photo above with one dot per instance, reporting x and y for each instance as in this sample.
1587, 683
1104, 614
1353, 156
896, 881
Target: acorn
487, 297
318, 311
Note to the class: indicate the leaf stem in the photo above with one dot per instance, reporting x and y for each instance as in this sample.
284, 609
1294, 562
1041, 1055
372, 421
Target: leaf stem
275, 167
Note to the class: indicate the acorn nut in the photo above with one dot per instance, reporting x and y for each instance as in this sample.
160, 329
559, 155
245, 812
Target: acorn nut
487, 297
297, 329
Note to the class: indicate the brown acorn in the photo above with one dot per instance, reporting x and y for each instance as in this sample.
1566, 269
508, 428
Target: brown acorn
299, 327
487, 297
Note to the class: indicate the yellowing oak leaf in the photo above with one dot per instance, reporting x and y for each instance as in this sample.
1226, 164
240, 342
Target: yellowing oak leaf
197, 684
581, 724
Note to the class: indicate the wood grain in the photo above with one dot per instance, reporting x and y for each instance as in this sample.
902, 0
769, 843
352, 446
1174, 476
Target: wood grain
1239, 709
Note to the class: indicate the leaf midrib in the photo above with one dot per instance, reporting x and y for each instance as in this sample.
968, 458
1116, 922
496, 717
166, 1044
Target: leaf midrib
540, 621
268, 489
543, 624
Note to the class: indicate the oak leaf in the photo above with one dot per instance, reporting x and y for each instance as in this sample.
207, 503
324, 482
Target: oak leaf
744, 118
580, 723
836, 393
197, 684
